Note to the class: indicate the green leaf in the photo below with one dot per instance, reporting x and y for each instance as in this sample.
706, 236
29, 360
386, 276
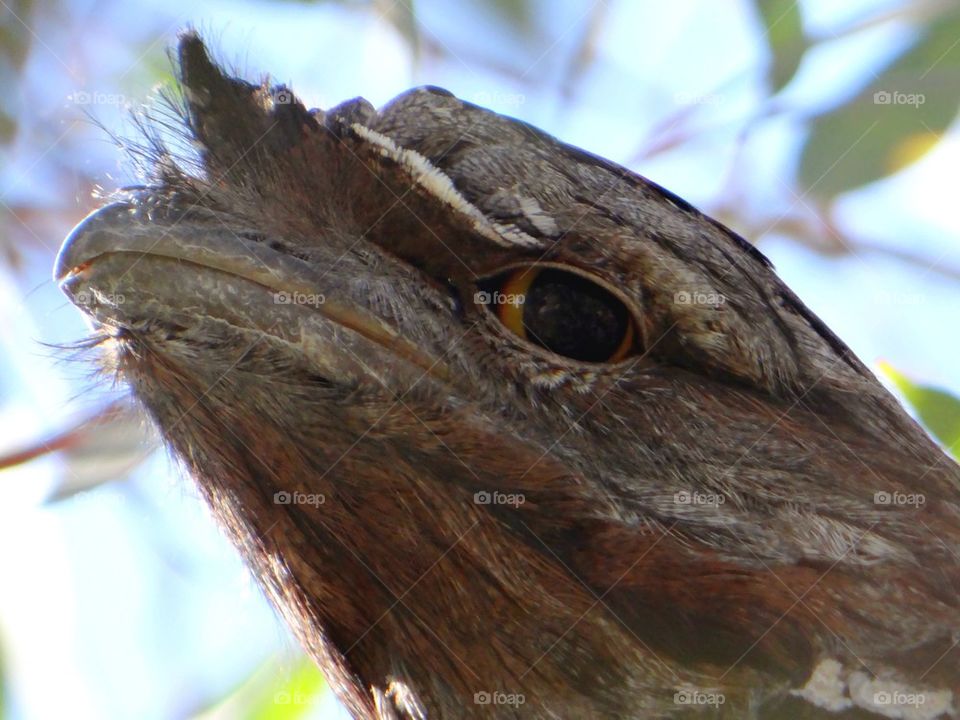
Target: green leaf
783, 26
14, 38
275, 691
937, 409
4, 695
517, 13
14, 49
292, 698
891, 122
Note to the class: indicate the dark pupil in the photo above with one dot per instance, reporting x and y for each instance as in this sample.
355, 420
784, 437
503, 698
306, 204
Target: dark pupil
571, 316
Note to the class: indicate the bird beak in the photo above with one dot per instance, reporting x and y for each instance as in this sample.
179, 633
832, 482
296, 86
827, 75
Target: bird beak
128, 264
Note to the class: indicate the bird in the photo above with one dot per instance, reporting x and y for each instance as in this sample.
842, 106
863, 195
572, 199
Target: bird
505, 430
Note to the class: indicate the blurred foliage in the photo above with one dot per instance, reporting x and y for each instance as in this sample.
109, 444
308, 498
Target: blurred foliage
881, 128
517, 13
274, 691
14, 46
3, 684
785, 40
937, 409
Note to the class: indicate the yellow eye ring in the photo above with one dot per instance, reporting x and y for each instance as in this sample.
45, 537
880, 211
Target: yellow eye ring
626, 345
516, 286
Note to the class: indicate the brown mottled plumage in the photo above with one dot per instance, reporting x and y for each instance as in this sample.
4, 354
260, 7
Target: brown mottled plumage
460, 523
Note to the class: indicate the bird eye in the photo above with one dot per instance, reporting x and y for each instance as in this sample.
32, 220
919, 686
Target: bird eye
564, 312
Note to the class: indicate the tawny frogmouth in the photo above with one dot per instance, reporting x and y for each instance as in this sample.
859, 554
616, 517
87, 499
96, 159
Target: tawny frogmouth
506, 430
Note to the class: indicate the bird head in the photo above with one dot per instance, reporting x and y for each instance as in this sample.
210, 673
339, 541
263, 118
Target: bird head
486, 414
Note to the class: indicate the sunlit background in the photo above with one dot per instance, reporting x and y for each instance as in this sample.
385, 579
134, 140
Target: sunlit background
825, 132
